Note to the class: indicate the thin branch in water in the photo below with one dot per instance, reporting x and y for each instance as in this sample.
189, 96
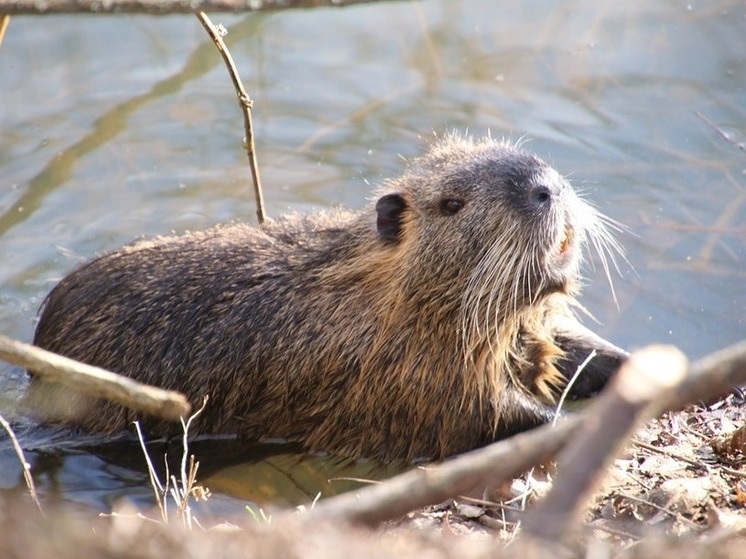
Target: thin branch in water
244, 102
158, 489
570, 384
722, 133
24, 464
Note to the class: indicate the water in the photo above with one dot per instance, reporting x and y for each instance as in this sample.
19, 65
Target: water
113, 127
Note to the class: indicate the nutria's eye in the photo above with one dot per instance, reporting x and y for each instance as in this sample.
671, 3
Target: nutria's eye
450, 206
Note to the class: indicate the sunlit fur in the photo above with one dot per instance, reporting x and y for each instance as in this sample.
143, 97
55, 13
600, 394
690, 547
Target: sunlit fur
425, 339
512, 286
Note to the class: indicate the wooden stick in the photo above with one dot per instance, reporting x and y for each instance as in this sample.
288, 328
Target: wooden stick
95, 381
4, 22
24, 464
710, 378
161, 7
421, 487
245, 103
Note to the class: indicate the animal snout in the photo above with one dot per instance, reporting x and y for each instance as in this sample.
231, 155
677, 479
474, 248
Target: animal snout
542, 195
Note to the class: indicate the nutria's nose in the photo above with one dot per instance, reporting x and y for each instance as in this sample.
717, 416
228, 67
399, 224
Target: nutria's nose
541, 194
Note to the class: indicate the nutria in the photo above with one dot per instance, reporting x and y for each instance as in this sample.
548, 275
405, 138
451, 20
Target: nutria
436, 320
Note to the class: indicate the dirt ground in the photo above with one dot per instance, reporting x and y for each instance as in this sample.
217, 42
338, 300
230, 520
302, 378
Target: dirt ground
681, 477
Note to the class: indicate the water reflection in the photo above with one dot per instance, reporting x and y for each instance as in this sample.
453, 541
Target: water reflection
114, 127
100, 472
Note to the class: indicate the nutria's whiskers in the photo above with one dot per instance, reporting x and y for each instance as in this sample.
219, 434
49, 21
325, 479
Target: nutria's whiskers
602, 231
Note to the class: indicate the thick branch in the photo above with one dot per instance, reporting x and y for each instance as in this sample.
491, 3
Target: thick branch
422, 487
709, 378
94, 381
161, 7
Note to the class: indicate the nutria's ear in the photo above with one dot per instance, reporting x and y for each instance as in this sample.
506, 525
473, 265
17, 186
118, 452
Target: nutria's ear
577, 342
389, 209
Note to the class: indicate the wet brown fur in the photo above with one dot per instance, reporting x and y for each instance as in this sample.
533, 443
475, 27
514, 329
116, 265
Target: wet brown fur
355, 333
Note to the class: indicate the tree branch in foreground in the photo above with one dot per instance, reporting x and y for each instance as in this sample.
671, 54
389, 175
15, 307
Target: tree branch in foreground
4, 21
434, 484
95, 381
161, 7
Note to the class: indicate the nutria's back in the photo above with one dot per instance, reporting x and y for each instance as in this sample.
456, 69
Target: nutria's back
431, 322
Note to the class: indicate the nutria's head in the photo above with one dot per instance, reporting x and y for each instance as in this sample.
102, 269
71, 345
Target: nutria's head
491, 211
493, 232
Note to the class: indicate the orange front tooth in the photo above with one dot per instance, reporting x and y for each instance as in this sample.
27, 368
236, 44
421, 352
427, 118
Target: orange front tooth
565, 244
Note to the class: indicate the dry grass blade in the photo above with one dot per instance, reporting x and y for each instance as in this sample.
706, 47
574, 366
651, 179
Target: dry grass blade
158, 489
180, 490
189, 486
24, 464
570, 384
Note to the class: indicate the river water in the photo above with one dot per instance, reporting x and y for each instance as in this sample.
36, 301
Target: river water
113, 127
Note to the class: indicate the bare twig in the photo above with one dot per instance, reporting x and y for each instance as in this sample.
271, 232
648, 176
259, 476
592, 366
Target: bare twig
4, 21
94, 381
669, 453
189, 487
24, 464
155, 483
733, 472
691, 461
162, 7
710, 377
427, 486
723, 134
245, 102
664, 510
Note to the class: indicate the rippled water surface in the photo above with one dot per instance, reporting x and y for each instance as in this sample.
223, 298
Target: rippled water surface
112, 127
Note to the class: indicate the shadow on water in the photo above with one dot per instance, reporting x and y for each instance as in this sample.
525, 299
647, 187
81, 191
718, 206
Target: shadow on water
98, 472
